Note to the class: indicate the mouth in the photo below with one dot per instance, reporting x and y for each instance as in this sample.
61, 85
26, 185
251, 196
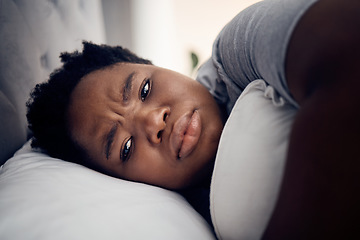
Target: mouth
186, 134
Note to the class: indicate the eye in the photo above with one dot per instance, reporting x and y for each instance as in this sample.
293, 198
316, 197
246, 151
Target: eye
126, 150
145, 89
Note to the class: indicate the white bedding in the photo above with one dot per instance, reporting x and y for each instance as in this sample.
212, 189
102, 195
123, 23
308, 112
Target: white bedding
249, 163
46, 198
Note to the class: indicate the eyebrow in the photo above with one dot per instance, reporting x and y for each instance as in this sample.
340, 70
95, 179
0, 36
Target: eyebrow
126, 92
109, 140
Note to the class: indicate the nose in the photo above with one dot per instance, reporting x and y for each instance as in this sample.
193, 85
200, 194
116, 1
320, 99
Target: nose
154, 122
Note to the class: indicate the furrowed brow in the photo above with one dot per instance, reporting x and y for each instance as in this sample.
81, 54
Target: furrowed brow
128, 87
126, 95
109, 139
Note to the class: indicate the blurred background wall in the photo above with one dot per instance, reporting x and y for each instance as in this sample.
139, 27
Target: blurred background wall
167, 31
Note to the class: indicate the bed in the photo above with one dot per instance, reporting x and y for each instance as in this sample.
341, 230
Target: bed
46, 198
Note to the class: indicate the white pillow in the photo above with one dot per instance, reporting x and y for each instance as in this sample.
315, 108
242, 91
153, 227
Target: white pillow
46, 198
250, 162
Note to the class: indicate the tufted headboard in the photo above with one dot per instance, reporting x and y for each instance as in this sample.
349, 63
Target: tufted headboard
32, 34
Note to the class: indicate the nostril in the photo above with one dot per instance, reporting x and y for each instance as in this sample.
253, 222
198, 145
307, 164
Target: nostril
159, 134
165, 115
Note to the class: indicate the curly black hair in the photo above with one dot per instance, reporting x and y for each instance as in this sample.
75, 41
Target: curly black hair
48, 103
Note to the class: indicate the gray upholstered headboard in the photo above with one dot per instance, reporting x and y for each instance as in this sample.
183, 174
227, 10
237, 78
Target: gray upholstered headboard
32, 35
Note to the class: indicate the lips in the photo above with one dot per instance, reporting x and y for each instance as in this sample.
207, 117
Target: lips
186, 134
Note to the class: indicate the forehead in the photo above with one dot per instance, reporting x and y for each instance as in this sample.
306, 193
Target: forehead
106, 83
102, 78
89, 99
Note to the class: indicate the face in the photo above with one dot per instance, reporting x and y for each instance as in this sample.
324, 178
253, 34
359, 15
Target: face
146, 124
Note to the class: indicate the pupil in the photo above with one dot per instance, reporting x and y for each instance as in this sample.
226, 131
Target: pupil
127, 147
145, 89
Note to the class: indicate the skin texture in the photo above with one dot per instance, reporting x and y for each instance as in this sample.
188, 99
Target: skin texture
319, 197
150, 122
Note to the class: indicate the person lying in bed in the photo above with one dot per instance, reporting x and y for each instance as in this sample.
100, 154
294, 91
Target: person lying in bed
117, 113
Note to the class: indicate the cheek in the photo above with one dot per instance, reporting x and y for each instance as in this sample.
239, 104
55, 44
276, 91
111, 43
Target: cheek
180, 87
146, 165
